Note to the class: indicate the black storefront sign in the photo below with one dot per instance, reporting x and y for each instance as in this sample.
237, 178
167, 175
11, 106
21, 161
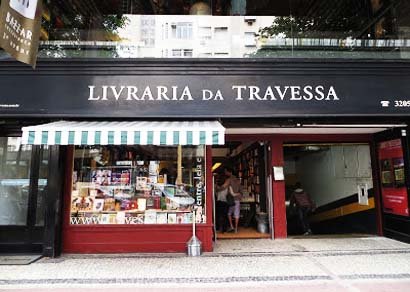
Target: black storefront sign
185, 95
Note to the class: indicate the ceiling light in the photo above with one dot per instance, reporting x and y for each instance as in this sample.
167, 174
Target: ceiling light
215, 166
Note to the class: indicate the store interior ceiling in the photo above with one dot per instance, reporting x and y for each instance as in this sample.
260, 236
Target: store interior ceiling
335, 125
323, 129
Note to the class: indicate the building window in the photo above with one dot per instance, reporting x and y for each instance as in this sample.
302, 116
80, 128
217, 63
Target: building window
176, 53
187, 53
221, 55
205, 55
137, 185
221, 33
181, 30
205, 32
250, 40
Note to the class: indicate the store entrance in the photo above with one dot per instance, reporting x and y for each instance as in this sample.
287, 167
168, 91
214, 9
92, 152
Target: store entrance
241, 165
329, 189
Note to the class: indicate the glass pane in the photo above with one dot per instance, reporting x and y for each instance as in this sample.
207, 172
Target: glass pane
42, 186
138, 185
15, 162
226, 28
339, 29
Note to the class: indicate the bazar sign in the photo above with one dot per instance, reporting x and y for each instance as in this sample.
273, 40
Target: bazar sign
20, 22
238, 92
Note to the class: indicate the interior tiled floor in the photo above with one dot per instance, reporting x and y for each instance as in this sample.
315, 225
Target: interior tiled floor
243, 233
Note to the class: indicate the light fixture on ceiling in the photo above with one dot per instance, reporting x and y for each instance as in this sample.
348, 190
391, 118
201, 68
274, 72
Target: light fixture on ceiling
216, 166
200, 8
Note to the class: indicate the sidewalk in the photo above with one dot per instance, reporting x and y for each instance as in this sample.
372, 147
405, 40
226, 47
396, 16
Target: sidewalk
312, 264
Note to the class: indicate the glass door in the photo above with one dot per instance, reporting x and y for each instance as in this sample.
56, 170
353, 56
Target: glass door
393, 163
23, 183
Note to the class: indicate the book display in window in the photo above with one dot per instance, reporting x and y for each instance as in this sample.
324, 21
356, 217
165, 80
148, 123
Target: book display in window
119, 185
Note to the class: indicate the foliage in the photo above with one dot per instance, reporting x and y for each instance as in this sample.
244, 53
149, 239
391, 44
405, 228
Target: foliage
112, 23
319, 27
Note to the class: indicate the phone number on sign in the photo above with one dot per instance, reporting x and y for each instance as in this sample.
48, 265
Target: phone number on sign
402, 103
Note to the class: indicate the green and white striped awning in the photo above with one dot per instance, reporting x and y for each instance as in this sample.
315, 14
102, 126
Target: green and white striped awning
125, 133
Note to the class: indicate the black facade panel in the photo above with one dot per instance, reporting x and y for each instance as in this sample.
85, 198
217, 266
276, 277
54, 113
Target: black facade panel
183, 88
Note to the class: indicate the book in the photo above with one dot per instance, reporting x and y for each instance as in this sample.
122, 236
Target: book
101, 177
187, 218
82, 204
141, 183
172, 218
98, 205
116, 178
180, 218
125, 178
162, 218
109, 204
150, 203
142, 204
105, 219
150, 217
120, 218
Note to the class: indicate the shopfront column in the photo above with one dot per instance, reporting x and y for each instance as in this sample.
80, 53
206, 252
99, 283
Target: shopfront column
53, 202
278, 191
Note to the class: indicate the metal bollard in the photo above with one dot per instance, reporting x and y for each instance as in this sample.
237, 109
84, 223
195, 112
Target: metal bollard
194, 245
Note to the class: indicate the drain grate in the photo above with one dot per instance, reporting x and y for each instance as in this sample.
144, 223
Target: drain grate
18, 259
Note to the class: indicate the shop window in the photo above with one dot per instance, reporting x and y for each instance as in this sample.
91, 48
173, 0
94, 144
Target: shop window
138, 185
398, 167
17, 197
386, 173
15, 161
392, 172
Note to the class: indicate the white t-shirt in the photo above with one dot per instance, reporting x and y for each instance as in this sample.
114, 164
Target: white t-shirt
221, 195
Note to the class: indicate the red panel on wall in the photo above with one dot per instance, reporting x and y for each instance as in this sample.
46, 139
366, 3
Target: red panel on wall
394, 191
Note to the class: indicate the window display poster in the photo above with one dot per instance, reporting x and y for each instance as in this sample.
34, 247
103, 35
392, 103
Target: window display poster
394, 191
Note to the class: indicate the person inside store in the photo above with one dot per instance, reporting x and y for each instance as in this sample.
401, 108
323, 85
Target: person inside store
303, 204
221, 204
233, 185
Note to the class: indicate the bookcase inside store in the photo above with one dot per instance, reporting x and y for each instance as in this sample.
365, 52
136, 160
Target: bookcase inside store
250, 170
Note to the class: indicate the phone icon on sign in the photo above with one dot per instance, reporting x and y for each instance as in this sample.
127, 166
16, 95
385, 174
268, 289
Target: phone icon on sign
27, 8
385, 103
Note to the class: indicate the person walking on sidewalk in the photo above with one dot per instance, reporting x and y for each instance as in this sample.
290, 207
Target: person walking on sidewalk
304, 205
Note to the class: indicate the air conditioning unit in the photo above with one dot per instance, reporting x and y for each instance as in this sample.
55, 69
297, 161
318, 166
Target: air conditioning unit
250, 19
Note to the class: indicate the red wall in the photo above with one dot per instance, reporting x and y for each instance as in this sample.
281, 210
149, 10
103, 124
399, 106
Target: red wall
133, 238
